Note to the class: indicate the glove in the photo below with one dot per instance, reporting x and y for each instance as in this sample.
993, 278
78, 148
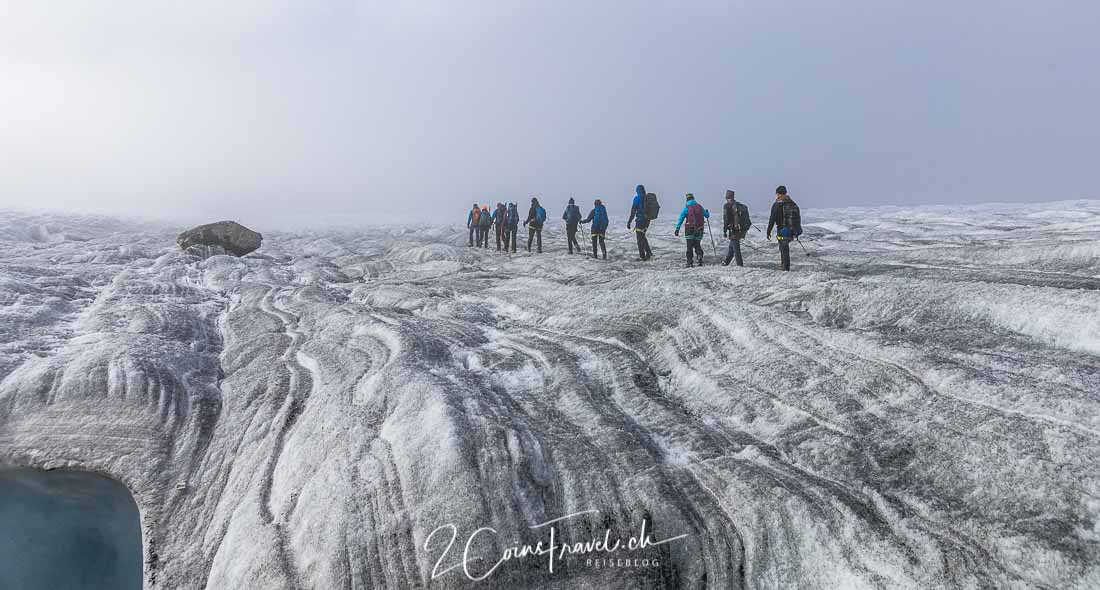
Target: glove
769, 234
725, 233
628, 225
677, 232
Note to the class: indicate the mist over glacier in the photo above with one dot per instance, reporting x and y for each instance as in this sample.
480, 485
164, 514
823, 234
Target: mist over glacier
917, 405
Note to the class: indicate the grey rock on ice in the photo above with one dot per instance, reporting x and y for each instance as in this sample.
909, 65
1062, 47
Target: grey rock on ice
233, 237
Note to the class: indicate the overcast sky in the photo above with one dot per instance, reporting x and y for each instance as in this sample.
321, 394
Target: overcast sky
331, 111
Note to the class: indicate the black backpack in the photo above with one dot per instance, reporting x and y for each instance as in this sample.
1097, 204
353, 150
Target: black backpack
650, 207
742, 221
792, 218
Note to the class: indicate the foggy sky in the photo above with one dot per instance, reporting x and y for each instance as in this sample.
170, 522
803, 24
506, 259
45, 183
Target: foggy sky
299, 111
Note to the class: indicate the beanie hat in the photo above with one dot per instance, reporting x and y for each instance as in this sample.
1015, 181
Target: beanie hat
571, 200
729, 195
689, 197
780, 190
599, 202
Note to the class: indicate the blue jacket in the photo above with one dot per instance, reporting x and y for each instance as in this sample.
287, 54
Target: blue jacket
683, 216
637, 209
598, 217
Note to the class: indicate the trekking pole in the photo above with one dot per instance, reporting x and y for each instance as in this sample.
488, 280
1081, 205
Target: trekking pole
713, 246
812, 257
754, 248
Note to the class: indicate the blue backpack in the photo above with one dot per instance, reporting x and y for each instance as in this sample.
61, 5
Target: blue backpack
513, 215
599, 219
540, 215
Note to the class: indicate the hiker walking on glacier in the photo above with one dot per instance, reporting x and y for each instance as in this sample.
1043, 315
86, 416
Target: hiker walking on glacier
484, 224
511, 226
693, 219
572, 218
787, 221
639, 216
598, 217
735, 224
472, 223
536, 217
499, 219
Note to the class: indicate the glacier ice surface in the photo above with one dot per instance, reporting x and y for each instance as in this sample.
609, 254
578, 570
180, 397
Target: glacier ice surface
915, 406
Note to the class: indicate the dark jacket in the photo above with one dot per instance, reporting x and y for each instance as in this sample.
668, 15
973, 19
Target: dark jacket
513, 217
598, 217
572, 216
776, 217
730, 220
532, 219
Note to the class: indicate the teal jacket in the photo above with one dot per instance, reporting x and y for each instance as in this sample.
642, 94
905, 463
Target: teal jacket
683, 215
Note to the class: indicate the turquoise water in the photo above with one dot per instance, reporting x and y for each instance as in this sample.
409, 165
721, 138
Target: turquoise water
64, 529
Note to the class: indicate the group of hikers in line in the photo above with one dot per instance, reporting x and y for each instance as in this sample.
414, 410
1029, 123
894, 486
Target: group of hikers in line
694, 219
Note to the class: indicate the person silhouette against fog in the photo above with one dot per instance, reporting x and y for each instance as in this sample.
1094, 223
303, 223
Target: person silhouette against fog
572, 218
641, 223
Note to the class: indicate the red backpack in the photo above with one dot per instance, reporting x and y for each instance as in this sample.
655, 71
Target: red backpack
695, 220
